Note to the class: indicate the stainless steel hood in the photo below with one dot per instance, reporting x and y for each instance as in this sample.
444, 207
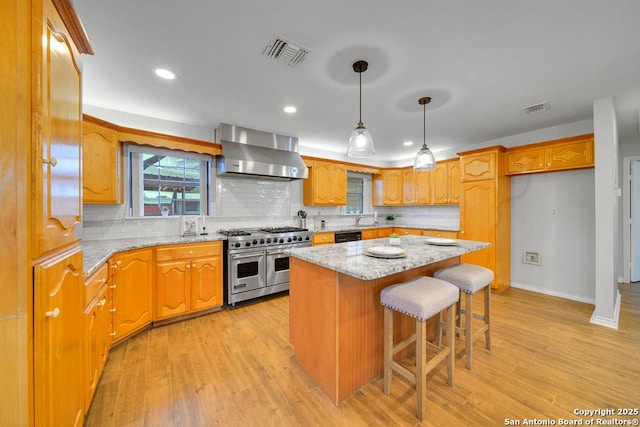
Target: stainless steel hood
250, 152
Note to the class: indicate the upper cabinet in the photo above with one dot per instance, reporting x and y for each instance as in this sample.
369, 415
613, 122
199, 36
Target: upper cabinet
387, 188
101, 162
417, 187
551, 156
445, 179
57, 85
326, 184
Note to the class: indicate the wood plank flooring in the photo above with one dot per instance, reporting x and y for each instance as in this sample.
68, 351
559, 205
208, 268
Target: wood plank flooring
236, 368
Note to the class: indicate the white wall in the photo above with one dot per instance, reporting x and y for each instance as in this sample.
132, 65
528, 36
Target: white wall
565, 242
607, 213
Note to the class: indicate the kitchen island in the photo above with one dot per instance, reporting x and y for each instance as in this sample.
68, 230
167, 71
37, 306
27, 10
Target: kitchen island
335, 316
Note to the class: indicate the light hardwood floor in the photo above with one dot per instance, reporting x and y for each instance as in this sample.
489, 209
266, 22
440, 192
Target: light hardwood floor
236, 368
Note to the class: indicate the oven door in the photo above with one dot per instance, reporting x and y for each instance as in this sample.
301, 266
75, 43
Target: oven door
277, 267
246, 271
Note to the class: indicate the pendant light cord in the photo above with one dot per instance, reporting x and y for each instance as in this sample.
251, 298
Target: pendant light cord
360, 118
424, 125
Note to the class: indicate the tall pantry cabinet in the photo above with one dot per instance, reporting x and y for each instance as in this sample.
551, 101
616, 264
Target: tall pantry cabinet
485, 210
41, 80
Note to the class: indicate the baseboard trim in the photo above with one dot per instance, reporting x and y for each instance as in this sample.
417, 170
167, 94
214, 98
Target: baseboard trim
605, 321
572, 297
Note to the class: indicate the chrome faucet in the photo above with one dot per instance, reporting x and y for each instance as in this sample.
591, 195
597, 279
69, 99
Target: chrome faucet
358, 218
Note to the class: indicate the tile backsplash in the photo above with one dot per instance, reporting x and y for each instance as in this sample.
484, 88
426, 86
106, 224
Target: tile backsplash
252, 202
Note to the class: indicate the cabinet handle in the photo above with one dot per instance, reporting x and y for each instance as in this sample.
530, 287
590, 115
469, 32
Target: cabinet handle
50, 161
188, 265
193, 265
102, 302
462, 232
113, 334
112, 286
190, 252
113, 310
102, 281
53, 313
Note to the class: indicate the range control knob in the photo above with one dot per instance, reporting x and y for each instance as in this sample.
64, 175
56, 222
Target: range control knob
289, 239
237, 245
255, 242
306, 238
269, 240
248, 244
281, 240
262, 241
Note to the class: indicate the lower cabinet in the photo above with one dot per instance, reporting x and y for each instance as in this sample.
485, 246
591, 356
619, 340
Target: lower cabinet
188, 279
375, 233
58, 340
323, 238
132, 281
98, 329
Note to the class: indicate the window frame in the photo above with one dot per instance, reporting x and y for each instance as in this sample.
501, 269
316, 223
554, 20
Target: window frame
135, 177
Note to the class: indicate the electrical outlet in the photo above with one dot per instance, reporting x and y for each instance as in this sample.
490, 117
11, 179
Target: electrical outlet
555, 211
530, 257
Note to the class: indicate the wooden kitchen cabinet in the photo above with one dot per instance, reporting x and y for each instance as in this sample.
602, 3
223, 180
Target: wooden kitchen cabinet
188, 279
416, 187
376, 233
485, 210
551, 156
403, 231
56, 198
323, 238
58, 341
101, 158
132, 281
98, 329
326, 184
445, 180
388, 188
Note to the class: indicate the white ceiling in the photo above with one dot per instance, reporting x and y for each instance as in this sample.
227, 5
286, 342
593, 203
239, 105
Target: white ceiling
480, 61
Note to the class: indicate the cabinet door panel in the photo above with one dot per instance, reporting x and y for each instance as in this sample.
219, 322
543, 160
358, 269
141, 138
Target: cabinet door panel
478, 220
454, 182
206, 283
570, 156
339, 185
133, 292
525, 160
100, 165
57, 202
477, 167
172, 289
59, 341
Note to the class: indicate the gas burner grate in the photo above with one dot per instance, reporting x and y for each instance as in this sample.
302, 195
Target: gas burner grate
282, 229
234, 233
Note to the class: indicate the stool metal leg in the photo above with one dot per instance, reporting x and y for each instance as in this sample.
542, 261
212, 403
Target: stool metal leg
451, 340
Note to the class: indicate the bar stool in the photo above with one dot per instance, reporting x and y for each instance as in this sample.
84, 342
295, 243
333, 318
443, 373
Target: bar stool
421, 298
470, 278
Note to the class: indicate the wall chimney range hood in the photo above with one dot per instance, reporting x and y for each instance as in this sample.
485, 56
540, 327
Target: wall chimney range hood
253, 153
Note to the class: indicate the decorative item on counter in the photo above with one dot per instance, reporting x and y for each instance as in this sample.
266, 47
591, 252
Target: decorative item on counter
375, 218
302, 219
164, 211
394, 239
390, 218
189, 226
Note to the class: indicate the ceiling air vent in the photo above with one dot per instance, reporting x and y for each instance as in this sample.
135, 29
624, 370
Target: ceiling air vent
283, 50
536, 108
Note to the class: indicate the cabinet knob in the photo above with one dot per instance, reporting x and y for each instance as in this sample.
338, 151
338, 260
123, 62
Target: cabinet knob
112, 310
190, 252
193, 265
102, 281
188, 265
461, 232
50, 161
53, 313
102, 302
112, 286
113, 334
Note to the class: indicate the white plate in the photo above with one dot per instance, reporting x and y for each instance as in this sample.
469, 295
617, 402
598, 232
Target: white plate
441, 241
385, 252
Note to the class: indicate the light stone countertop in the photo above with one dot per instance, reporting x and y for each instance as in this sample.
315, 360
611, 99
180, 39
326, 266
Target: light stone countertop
353, 227
96, 252
348, 258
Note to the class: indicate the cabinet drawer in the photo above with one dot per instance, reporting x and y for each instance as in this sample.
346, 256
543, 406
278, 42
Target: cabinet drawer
323, 238
445, 234
196, 250
94, 283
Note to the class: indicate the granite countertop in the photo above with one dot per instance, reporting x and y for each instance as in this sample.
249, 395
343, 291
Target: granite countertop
348, 258
96, 252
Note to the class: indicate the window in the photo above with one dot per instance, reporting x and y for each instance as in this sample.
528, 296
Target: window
355, 195
167, 180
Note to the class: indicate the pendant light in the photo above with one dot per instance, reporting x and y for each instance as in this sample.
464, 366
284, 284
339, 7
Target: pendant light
360, 142
424, 159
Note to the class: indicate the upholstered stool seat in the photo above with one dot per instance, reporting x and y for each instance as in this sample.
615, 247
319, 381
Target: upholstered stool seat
421, 298
470, 278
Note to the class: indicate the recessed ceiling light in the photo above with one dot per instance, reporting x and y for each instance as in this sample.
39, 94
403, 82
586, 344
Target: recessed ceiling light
290, 109
165, 74
407, 143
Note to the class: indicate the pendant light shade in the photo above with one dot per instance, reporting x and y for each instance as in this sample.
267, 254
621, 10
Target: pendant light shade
424, 159
360, 142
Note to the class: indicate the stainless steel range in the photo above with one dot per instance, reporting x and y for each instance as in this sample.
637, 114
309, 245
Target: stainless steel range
256, 262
